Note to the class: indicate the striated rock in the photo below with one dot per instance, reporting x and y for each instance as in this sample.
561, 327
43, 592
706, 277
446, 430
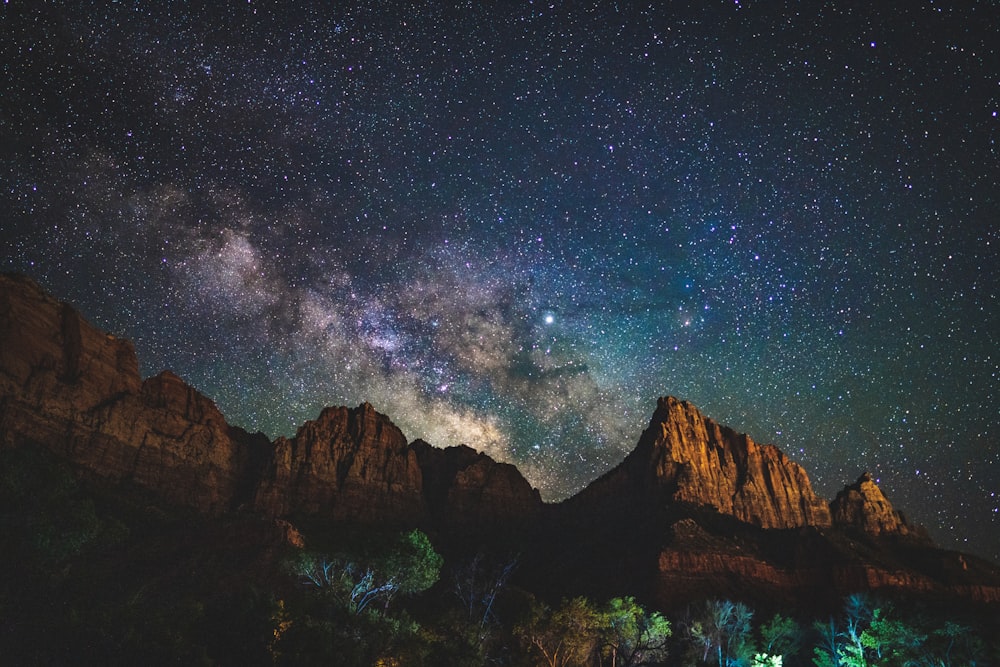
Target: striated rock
685, 457
463, 487
347, 464
696, 509
76, 390
863, 506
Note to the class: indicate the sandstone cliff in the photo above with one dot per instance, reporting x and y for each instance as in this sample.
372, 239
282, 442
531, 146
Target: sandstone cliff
465, 488
704, 510
348, 464
76, 390
863, 506
685, 457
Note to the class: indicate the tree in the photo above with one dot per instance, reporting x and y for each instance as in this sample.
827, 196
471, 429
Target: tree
827, 653
564, 637
477, 586
858, 614
348, 620
781, 636
630, 636
957, 644
892, 641
409, 567
722, 631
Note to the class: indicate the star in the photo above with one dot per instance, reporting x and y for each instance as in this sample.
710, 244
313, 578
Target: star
515, 228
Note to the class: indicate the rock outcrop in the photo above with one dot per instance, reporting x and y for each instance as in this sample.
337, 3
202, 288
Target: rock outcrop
76, 390
863, 506
73, 389
703, 509
348, 464
685, 457
466, 488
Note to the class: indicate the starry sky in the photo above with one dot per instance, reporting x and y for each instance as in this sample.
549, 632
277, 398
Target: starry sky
516, 224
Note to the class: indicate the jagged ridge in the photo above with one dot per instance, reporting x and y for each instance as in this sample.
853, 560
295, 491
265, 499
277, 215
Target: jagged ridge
68, 387
76, 390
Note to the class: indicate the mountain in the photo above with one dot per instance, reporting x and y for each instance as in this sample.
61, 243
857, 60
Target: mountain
685, 457
696, 509
75, 390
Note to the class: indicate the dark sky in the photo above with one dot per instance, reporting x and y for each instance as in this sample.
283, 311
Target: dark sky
515, 224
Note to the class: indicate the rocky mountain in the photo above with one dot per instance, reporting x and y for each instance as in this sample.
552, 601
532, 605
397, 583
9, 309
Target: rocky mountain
695, 509
75, 390
685, 457
863, 506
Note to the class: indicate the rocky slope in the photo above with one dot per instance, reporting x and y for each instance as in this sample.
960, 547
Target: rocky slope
696, 509
76, 390
685, 457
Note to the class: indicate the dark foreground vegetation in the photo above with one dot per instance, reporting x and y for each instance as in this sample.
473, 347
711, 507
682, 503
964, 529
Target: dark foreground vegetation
88, 576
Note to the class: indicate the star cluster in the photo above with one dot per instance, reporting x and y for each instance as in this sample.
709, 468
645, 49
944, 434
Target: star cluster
515, 224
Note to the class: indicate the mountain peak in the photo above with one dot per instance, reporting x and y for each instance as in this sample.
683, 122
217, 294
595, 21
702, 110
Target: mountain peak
683, 456
863, 505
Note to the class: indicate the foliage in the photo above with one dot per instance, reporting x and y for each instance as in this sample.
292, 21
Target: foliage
44, 515
721, 632
891, 641
826, 652
477, 585
566, 636
767, 660
348, 620
630, 635
86, 581
781, 636
411, 566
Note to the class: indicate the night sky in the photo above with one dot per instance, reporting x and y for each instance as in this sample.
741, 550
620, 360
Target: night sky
515, 225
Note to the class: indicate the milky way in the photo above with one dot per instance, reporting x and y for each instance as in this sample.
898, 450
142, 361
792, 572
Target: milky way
515, 224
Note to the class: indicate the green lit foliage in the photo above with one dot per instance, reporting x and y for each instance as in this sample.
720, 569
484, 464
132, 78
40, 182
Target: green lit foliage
827, 649
877, 635
630, 635
410, 566
767, 660
781, 636
891, 641
858, 613
347, 619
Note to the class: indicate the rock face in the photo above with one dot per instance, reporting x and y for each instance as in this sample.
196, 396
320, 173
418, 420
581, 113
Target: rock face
76, 390
685, 457
466, 488
863, 506
697, 503
350, 464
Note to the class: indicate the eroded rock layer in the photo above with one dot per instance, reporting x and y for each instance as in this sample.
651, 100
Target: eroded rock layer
76, 390
685, 457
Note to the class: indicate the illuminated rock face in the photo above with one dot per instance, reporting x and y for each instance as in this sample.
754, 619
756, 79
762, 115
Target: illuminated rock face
350, 464
862, 505
76, 390
695, 501
685, 457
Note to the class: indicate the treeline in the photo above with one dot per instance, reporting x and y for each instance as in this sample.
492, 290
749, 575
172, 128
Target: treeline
87, 578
